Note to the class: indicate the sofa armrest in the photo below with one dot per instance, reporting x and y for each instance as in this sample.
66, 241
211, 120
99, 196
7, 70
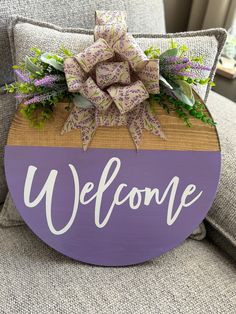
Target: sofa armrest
222, 216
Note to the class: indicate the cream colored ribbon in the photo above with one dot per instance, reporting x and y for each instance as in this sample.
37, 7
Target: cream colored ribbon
114, 78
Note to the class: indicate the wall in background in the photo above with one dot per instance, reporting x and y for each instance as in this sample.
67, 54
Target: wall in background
177, 14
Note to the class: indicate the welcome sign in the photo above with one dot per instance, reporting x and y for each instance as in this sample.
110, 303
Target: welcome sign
112, 205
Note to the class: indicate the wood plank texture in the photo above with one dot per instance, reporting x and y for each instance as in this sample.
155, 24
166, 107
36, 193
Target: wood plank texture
200, 137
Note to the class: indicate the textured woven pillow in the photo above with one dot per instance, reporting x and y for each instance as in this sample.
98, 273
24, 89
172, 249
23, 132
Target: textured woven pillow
25, 33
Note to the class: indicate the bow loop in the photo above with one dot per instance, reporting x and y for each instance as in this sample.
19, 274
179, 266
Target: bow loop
127, 97
95, 95
108, 73
110, 17
75, 76
97, 52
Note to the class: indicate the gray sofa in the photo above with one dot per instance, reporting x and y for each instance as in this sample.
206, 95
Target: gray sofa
196, 277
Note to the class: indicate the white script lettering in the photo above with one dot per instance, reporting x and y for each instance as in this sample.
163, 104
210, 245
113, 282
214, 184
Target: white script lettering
135, 197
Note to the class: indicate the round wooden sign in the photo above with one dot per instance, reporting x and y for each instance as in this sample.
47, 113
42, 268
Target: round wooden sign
112, 205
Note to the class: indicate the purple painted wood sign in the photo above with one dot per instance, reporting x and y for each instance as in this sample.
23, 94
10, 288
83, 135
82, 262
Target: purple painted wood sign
111, 206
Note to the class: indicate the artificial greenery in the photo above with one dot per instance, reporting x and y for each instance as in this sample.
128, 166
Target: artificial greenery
176, 81
176, 72
42, 84
182, 110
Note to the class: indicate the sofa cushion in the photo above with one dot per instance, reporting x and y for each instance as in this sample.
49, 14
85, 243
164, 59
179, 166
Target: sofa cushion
220, 240
222, 215
76, 13
193, 278
7, 110
9, 215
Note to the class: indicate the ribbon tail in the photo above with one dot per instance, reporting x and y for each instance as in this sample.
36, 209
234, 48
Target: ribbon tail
151, 123
136, 130
87, 134
70, 123
136, 124
83, 119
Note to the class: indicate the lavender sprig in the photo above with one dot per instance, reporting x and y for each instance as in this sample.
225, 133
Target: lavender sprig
22, 76
48, 80
187, 74
174, 59
40, 98
21, 97
198, 66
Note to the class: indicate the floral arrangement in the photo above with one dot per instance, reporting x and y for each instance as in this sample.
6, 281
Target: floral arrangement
176, 80
42, 84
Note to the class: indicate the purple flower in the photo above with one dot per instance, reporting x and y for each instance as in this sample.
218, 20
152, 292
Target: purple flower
187, 74
178, 66
39, 98
21, 97
48, 80
22, 76
199, 66
178, 59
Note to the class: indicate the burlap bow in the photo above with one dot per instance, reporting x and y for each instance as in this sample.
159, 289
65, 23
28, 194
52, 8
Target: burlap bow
114, 79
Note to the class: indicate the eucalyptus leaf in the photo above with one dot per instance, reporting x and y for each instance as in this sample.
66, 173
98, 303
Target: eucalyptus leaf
186, 88
31, 67
179, 94
169, 53
165, 82
82, 102
48, 59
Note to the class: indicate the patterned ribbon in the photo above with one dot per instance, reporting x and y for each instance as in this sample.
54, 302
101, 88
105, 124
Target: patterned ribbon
114, 79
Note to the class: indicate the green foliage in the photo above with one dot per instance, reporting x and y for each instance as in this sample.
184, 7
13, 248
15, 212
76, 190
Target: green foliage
55, 61
169, 53
182, 110
197, 59
184, 93
152, 53
66, 52
40, 112
176, 71
37, 66
37, 114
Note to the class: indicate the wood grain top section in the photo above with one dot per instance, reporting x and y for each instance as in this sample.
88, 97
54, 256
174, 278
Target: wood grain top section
200, 137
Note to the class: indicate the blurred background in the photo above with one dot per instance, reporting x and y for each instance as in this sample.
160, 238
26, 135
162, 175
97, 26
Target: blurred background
190, 15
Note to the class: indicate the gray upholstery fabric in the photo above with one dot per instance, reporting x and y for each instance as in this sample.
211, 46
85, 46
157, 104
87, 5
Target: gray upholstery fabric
219, 239
194, 278
143, 16
199, 233
9, 215
7, 109
222, 215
